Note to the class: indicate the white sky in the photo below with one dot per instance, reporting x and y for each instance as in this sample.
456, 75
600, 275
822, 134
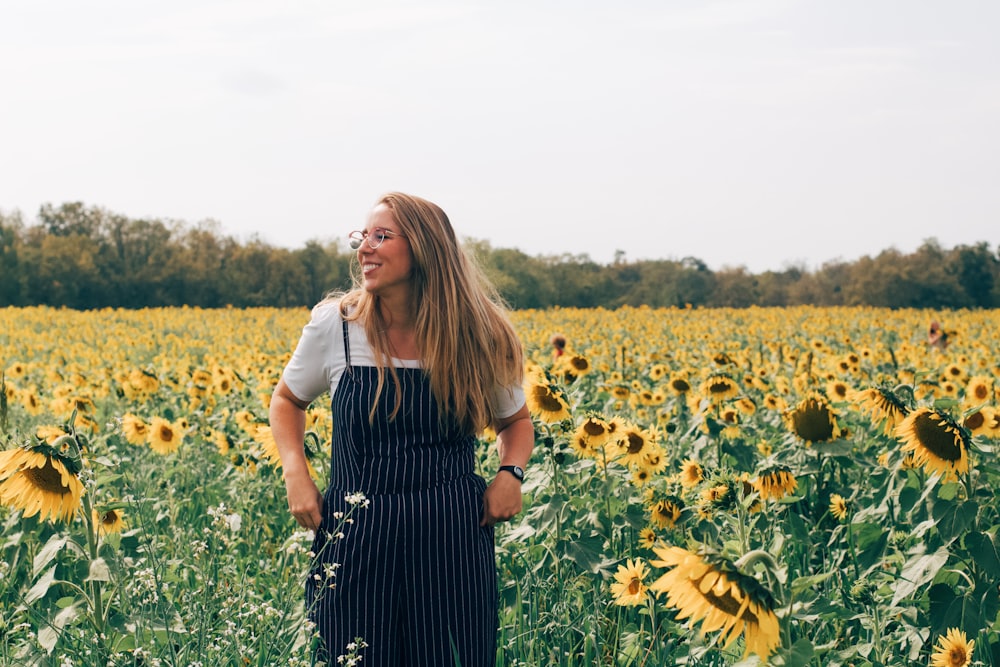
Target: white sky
759, 133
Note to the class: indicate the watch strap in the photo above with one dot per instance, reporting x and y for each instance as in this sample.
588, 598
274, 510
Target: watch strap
516, 471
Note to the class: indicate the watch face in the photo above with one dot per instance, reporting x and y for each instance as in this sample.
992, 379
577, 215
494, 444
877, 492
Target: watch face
516, 471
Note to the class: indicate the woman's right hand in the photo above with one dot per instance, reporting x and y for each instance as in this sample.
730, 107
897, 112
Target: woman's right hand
288, 423
305, 502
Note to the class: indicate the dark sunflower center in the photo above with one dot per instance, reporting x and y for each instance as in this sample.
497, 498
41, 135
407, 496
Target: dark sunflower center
719, 387
812, 422
635, 443
166, 433
109, 518
975, 420
681, 385
550, 403
937, 439
981, 392
633, 586
592, 428
48, 478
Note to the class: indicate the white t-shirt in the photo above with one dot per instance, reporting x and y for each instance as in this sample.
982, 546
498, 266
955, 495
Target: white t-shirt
319, 359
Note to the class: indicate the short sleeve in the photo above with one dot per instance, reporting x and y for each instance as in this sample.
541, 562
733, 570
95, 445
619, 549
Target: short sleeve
508, 400
313, 365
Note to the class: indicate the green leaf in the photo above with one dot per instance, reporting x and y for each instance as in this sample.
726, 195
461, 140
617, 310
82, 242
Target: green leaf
870, 540
948, 491
917, 572
953, 519
49, 552
983, 551
99, 570
841, 447
586, 551
47, 638
41, 586
801, 584
49, 635
798, 655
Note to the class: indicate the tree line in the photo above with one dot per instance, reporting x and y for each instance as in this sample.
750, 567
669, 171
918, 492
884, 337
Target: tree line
86, 257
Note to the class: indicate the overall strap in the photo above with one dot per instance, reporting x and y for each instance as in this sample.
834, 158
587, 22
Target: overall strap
347, 345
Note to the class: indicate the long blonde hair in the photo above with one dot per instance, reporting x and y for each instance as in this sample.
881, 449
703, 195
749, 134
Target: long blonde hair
466, 342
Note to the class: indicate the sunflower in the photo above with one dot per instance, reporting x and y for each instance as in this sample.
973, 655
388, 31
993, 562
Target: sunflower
263, 436
666, 512
838, 390
719, 388
813, 420
838, 506
715, 495
720, 597
220, 440
16, 370
980, 422
30, 401
775, 402
979, 390
245, 420
634, 444
628, 588
883, 405
938, 443
108, 521
647, 538
691, 473
654, 461
581, 445
646, 397
49, 433
746, 406
545, 402
578, 365
954, 373
657, 372
679, 384
39, 481
953, 650
621, 392
641, 476
775, 483
163, 437
135, 430
201, 378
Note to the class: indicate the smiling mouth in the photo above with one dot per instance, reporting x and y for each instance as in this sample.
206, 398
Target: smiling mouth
368, 267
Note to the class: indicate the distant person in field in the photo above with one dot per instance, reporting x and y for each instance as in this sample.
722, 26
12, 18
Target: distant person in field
419, 357
558, 342
937, 337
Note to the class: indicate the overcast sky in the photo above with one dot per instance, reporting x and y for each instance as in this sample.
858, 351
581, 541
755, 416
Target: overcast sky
760, 133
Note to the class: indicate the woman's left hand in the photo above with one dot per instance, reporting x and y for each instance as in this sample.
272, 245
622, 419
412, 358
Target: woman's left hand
502, 499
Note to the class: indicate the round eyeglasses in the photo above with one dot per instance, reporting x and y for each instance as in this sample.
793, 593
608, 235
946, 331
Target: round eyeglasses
375, 238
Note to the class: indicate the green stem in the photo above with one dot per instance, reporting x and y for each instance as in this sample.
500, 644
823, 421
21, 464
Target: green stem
95, 586
850, 546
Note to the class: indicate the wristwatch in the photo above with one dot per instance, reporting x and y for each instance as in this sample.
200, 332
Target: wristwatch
516, 471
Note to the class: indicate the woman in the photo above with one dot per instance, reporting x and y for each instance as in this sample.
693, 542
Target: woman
418, 358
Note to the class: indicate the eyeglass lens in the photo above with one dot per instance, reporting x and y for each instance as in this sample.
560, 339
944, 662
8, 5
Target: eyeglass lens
375, 238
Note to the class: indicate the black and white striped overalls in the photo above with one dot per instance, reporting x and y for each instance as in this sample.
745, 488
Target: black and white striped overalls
415, 574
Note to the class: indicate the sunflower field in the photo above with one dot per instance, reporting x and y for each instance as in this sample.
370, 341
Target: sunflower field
798, 486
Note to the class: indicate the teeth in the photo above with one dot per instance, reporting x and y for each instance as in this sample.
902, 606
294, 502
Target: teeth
366, 267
